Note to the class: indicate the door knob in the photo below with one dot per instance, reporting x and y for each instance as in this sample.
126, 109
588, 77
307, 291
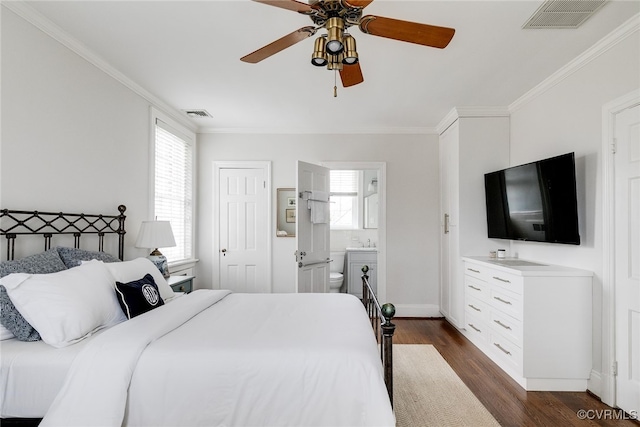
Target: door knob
224, 252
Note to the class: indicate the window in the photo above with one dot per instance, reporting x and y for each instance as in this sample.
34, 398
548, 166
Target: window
344, 206
173, 188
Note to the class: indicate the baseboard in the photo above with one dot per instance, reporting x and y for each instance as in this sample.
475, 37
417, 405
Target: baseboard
417, 310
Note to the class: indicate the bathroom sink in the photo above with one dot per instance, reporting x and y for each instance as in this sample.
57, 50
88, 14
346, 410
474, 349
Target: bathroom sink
363, 249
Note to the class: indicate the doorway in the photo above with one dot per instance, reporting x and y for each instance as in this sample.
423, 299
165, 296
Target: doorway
242, 219
377, 169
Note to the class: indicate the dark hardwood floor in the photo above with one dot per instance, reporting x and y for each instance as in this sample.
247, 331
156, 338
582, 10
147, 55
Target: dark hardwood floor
502, 396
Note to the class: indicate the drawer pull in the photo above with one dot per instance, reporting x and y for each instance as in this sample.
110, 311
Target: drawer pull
502, 280
476, 329
475, 271
502, 324
474, 288
475, 308
501, 300
500, 347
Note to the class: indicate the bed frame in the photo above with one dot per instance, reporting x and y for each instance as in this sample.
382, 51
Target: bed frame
383, 329
14, 223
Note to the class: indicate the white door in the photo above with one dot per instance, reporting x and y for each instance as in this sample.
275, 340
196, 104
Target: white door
312, 237
243, 230
627, 258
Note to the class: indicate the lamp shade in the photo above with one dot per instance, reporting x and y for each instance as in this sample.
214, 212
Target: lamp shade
155, 234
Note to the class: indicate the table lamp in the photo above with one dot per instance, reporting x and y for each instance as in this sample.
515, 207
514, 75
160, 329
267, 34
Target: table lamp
156, 234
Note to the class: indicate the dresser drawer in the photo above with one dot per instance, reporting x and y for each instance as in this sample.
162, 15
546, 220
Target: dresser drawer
506, 325
505, 350
476, 308
477, 329
476, 288
507, 281
507, 302
477, 271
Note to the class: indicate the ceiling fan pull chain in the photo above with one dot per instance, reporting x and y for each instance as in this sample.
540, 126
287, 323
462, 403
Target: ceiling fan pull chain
335, 85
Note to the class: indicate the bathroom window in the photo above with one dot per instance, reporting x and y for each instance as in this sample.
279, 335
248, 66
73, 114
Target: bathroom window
345, 203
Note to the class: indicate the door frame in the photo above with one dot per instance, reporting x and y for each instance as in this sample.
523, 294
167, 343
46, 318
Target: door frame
215, 225
607, 377
381, 167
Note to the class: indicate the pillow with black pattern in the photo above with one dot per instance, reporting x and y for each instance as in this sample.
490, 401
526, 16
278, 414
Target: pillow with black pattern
42, 263
139, 296
73, 257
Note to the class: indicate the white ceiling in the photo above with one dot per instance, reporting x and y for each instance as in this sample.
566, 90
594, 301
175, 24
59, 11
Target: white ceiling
186, 53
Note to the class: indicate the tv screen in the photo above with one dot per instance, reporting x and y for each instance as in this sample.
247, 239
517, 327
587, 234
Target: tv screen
536, 201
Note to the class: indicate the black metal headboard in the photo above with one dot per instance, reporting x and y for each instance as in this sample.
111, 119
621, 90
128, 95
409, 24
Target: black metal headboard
14, 223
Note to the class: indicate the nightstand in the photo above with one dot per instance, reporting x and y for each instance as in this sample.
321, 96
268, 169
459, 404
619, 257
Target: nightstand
181, 283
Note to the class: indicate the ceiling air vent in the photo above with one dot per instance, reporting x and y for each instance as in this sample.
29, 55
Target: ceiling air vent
198, 114
563, 13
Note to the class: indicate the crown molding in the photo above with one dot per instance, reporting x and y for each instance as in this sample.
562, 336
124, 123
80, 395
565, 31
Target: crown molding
469, 112
625, 30
322, 131
35, 18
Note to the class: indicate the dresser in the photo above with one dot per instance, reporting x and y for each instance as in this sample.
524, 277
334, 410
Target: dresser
533, 320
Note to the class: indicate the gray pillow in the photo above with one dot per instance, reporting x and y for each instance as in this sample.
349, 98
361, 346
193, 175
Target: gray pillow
73, 257
42, 263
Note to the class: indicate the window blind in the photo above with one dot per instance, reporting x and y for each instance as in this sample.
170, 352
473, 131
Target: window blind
343, 209
174, 188
344, 182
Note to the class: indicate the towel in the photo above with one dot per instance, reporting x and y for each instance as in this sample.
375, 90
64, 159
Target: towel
319, 205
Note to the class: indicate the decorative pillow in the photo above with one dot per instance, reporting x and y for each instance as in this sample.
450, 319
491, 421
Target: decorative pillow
67, 306
73, 257
139, 296
129, 271
42, 263
10, 318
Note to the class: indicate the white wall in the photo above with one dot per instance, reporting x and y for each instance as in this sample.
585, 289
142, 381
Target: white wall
412, 200
73, 138
568, 117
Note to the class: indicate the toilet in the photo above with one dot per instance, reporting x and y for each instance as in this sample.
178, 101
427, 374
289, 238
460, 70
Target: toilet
335, 276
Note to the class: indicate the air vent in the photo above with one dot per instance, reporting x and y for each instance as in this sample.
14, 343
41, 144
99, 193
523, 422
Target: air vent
198, 114
563, 13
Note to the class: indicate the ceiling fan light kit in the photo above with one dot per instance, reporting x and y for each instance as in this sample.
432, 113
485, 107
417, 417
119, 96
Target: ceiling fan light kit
337, 49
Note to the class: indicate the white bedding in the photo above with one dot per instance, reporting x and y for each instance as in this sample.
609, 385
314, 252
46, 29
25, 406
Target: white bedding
249, 359
32, 374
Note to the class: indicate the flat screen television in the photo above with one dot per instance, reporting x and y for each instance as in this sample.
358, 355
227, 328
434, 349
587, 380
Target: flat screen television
535, 202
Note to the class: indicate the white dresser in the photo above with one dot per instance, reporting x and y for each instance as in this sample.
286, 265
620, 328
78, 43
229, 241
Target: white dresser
533, 320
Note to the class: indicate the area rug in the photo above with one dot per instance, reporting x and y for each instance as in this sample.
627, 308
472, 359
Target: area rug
427, 392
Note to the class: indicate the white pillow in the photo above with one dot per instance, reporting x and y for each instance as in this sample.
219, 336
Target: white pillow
5, 334
128, 271
67, 306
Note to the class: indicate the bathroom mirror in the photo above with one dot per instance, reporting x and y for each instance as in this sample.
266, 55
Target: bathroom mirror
286, 212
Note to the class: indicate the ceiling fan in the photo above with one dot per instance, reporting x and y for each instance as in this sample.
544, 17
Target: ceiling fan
337, 49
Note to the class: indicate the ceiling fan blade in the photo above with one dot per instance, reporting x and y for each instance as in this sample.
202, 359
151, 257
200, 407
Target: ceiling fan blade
412, 32
293, 5
351, 75
359, 3
278, 45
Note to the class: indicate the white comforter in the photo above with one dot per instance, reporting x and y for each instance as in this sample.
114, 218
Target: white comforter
213, 358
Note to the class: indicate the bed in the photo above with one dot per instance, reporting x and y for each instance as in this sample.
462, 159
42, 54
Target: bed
206, 358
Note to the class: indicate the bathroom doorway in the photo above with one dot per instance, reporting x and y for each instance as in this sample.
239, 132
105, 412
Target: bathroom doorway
364, 224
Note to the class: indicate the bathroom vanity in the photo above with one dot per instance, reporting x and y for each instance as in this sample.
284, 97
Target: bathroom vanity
355, 258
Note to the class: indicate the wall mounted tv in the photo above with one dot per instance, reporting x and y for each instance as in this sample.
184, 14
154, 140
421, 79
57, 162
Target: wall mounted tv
535, 202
